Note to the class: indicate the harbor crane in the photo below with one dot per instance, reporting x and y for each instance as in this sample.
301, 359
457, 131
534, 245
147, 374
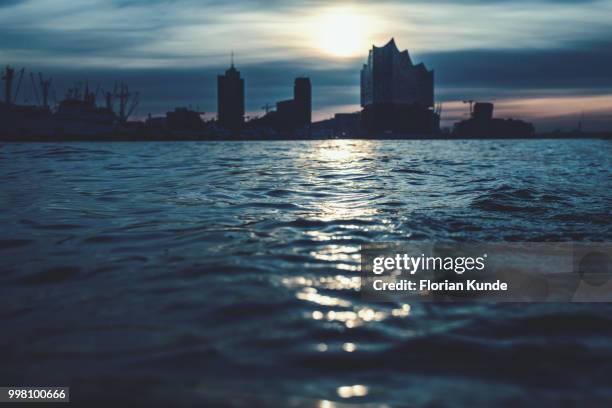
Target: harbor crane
8, 77
45, 86
34, 88
471, 103
127, 102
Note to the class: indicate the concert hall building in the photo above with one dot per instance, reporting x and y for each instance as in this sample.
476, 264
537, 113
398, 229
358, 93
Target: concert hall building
396, 95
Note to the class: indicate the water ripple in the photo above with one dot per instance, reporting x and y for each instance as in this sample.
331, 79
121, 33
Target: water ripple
237, 263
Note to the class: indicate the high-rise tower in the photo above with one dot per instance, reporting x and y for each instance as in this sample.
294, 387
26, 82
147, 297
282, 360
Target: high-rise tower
302, 96
230, 99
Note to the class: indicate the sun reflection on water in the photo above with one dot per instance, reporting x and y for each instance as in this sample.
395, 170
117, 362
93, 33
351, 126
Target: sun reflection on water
346, 204
311, 295
336, 282
341, 310
342, 150
346, 256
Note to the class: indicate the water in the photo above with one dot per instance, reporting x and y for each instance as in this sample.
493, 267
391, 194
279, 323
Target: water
226, 271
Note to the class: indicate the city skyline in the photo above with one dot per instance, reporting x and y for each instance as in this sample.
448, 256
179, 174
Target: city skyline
541, 66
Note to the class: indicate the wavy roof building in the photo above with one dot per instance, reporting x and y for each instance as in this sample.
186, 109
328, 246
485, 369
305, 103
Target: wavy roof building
390, 77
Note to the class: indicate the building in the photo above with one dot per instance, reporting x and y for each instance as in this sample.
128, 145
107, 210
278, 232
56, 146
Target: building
483, 111
347, 124
389, 76
396, 95
302, 97
230, 99
482, 124
295, 113
184, 119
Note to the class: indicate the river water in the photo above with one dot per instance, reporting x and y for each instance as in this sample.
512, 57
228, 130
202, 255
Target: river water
226, 273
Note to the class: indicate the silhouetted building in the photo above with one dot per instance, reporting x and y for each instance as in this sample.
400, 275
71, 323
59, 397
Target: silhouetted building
483, 125
230, 99
389, 76
295, 113
285, 114
396, 95
347, 124
482, 111
184, 119
302, 96
322, 129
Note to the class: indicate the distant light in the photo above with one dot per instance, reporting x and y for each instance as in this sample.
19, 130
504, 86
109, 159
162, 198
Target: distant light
326, 404
349, 347
317, 315
350, 391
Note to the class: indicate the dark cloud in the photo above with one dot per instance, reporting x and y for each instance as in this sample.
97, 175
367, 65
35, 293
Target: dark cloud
299, 4
9, 3
586, 64
72, 42
294, 3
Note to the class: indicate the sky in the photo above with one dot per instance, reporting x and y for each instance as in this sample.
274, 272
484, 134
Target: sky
547, 61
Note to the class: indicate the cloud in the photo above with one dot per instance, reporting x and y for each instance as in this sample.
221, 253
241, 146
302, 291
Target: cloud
582, 63
166, 33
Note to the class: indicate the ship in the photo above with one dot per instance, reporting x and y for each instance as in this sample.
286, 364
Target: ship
76, 116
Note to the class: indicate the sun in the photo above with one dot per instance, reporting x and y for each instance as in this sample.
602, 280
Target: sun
341, 32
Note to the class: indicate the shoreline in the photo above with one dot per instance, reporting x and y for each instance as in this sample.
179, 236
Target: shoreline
169, 138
